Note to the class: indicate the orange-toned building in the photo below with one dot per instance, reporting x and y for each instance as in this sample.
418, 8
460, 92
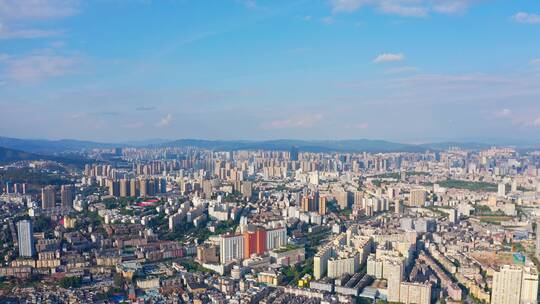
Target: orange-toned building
254, 242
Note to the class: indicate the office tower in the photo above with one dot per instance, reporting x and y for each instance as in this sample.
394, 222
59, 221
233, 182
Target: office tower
25, 238
231, 247
418, 197
67, 195
48, 197
514, 284
501, 190
124, 189
322, 205
294, 153
398, 207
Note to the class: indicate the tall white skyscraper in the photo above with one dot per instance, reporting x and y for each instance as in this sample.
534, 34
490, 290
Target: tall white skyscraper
25, 238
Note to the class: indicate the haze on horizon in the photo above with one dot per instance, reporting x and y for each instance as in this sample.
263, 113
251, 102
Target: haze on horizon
400, 70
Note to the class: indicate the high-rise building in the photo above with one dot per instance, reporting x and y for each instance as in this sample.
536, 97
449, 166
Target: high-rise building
143, 187
418, 197
67, 194
114, 187
254, 242
342, 198
231, 248
276, 238
514, 284
247, 190
537, 249
25, 238
133, 187
395, 277
322, 205
294, 153
207, 188
48, 197
501, 190
124, 189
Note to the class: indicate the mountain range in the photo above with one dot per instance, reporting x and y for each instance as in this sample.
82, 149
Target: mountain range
40, 147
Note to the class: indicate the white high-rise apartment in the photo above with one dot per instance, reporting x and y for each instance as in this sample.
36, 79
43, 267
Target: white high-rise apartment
25, 238
514, 284
232, 248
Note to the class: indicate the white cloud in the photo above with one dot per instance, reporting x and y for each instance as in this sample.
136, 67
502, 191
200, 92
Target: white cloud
38, 9
408, 8
164, 121
397, 8
523, 17
503, 113
388, 57
346, 5
38, 66
535, 61
328, 20
6, 33
304, 121
536, 122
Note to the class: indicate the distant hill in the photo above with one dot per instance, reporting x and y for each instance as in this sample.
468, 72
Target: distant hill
10, 155
56, 147
43, 146
359, 145
463, 145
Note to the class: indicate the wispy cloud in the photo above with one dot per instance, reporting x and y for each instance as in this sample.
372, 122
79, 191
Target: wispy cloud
388, 57
37, 9
251, 4
535, 61
502, 113
145, 108
38, 66
7, 33
328, 20
164, 121
523, 17
402, 69
304, 121
536, 122
407, 8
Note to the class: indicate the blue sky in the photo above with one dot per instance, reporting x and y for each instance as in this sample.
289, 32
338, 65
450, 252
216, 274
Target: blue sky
403, 70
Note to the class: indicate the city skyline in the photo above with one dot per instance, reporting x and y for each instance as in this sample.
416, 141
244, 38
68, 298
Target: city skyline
398, 70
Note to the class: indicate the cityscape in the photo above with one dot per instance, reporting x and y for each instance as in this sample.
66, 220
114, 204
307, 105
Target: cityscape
272, 152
